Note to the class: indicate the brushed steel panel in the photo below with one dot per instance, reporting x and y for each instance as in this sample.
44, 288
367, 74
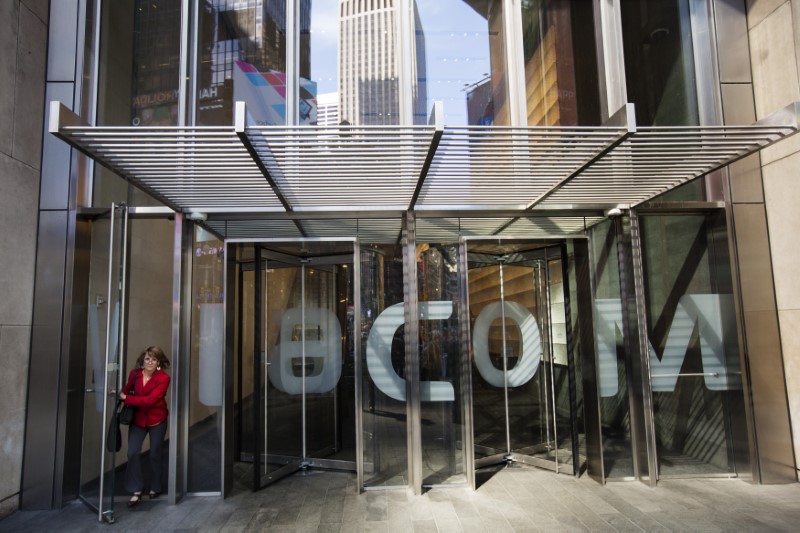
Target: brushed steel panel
732, 41
74, 365
54, 190
43, 380
63, 41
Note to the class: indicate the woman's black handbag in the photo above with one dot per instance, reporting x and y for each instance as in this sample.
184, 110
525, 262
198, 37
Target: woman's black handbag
125, 412
114, 436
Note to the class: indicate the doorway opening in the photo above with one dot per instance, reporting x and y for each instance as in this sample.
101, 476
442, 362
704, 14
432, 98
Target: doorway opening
290, 323
523, 373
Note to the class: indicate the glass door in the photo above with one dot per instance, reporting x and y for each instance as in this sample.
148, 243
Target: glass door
279, 368
104, 338
521, 404
297, 319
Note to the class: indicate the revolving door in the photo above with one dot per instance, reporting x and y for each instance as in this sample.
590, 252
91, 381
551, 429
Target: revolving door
523, 383
294, 405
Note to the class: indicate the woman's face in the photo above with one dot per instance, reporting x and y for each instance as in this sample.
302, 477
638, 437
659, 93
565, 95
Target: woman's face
150, 362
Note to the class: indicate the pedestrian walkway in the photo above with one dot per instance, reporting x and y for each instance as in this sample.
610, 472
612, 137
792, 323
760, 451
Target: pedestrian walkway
514, 499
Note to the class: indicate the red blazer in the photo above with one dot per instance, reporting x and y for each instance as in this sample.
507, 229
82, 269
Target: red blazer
149, 400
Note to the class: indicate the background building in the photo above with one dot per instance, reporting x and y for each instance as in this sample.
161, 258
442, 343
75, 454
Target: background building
651, 293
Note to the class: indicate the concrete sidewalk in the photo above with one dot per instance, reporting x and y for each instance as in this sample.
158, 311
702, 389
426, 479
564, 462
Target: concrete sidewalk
514, 499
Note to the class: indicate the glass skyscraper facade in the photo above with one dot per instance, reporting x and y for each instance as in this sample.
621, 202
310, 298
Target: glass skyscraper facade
526, 231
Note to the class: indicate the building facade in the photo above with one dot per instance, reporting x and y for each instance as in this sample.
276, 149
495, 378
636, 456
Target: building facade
550, 232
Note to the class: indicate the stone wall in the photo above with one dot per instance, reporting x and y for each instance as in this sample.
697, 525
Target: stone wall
774, 31
23, 45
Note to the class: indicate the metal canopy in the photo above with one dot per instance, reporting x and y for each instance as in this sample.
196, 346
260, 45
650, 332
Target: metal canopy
303, 171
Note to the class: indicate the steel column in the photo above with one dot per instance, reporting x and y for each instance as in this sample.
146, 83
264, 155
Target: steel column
411, 307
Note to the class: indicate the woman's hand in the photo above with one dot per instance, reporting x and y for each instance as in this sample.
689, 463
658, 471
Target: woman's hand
122, 396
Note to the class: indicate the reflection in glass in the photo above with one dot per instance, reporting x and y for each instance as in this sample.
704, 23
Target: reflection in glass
560, 62
294, 344
440, 360
693, 344
611, 365
242, 58
138, 78
385, 427
325, 51
207, 358
282, 371
522, 390
104, 325
459, 60
659, 61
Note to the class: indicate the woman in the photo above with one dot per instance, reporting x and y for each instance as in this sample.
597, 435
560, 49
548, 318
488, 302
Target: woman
146, 391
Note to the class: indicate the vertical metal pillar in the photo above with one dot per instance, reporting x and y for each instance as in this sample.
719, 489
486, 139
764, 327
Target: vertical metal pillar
465, 364
411, 328
357, 339
637, 353
181, 331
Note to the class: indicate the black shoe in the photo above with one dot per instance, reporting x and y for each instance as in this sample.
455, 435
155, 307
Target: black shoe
135, 499
154, 494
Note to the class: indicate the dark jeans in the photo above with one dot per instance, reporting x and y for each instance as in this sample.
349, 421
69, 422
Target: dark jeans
134, 482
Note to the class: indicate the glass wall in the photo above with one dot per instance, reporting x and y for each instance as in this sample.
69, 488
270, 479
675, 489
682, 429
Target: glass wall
206, 364
612, 369
459, 59
138, 78
366, 88
383, 392
441, 361
659, 64
242, 57
694, 360
561, 83
660, 70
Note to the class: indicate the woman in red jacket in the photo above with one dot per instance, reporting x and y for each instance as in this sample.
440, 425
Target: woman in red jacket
148, 383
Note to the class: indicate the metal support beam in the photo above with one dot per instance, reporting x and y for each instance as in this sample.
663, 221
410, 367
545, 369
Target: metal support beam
411, 328
637, 353
437, 117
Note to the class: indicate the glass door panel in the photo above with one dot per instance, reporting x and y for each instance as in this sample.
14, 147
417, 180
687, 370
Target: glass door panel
329, 361
694, 356
488, 384
531, 399
104, 332
279, 374
384, 428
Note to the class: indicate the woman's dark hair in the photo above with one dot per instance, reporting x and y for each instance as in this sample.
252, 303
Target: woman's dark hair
155, 352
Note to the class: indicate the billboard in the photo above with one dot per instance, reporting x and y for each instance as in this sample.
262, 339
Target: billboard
265, 95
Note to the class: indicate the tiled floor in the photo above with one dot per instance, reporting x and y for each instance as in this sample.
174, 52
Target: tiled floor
514, 499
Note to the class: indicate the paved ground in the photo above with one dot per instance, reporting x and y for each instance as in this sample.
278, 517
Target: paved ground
514, 499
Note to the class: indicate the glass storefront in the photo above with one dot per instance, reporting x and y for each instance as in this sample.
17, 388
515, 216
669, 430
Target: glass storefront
459, 60
612, 367
206, 365
138, 79
561, 85
694, 356
383, 390
441, 361
316, 334
241, 57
